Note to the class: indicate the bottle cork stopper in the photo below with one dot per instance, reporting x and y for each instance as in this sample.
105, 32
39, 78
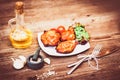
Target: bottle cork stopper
19, 7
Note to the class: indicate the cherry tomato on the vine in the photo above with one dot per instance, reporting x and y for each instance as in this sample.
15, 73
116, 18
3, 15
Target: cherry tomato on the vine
61, 29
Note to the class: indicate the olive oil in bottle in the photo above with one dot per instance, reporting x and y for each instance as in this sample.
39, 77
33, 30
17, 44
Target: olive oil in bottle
20, 36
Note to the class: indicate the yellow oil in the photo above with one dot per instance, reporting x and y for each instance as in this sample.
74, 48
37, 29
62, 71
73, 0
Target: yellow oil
22, 44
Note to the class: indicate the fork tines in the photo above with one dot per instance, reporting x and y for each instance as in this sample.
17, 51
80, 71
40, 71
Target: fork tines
97, 49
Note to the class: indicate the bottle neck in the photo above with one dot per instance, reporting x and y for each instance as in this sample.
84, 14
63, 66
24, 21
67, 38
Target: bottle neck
20, 19
19, 13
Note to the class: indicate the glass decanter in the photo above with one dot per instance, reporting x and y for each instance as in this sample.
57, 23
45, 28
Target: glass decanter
20, 36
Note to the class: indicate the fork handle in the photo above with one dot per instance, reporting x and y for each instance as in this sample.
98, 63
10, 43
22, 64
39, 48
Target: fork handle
75, 67
70, 65
75, 63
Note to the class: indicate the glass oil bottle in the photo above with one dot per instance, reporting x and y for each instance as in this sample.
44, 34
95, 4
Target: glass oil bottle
20, 36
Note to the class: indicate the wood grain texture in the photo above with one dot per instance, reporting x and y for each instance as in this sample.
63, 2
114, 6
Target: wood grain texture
101, 20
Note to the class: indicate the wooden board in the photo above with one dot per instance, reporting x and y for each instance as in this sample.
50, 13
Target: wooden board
102, 22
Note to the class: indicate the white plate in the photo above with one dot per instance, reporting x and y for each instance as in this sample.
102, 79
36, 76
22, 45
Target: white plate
52, 51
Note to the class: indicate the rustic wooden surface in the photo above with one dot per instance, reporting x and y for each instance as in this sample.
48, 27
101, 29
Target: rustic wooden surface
102, 21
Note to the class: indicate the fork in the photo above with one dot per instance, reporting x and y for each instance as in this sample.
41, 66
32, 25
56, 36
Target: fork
95, 52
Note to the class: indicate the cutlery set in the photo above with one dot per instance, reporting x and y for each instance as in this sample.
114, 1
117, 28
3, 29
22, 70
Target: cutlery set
92, 56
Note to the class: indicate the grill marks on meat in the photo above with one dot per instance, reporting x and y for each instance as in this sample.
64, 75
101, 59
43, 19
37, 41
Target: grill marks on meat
66, 46
50, 38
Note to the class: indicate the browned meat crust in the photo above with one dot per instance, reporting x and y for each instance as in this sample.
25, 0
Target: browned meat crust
50, 38
66, 46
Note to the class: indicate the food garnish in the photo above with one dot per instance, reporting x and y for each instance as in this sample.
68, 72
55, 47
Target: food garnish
82, 35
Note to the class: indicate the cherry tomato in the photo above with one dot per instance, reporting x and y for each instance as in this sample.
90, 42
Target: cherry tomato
61, 29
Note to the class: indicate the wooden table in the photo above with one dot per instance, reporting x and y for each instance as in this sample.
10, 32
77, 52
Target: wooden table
102, 21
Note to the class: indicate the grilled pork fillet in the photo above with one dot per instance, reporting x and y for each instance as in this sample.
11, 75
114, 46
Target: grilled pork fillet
50, 38
66, 46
